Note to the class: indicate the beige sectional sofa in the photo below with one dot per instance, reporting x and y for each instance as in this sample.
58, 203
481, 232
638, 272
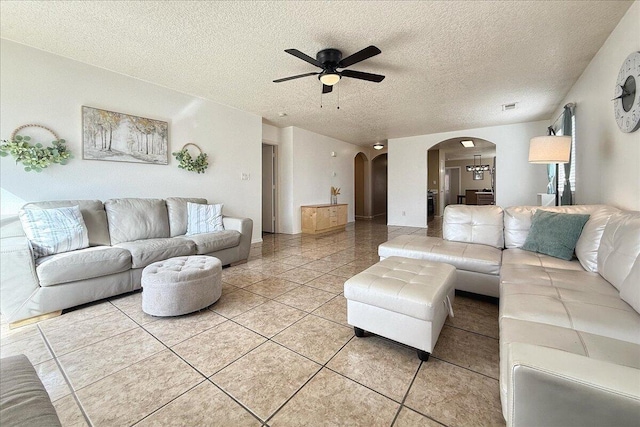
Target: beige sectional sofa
125, 235
569, 330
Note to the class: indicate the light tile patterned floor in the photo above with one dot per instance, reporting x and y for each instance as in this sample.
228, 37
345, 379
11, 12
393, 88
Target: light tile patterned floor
275, 350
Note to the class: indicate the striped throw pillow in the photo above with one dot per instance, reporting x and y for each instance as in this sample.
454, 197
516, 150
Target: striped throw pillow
203, 218
52, 231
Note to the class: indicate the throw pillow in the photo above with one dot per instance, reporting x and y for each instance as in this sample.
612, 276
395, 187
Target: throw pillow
554, 234
52, 231
203, 218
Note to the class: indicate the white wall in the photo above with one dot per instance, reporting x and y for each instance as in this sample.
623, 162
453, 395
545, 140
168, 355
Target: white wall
39, 87
517, 181
607, 159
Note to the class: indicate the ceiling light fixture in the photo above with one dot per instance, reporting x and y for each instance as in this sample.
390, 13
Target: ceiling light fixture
329, 78
378, 146
467, 144
477, 166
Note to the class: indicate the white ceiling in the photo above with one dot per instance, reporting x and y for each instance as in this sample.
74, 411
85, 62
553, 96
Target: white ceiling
454, 150
449, 65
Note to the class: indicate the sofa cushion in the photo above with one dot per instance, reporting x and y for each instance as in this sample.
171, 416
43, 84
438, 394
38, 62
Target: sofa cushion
554, 233
463, 256
145, 252
589, 241
474, 224
204, 218
630, 289
177, 211
521, 257
23, 399
93, 213
211, 242
136, 219
595, 314
55, 230
619, 247
82, 264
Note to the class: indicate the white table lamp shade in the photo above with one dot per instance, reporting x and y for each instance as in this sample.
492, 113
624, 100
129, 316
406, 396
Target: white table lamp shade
550, 149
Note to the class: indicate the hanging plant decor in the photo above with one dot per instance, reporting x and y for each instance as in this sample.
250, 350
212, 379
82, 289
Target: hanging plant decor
199, 164
35, 157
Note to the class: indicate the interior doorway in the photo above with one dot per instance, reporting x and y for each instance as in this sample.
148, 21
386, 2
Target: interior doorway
359, 185
269, 190
379, 187
451, 185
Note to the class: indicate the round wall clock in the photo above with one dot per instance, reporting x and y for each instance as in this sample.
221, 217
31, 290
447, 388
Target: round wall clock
626, 99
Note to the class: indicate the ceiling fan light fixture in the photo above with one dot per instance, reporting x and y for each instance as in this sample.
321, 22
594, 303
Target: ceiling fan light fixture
329, 79
378, 146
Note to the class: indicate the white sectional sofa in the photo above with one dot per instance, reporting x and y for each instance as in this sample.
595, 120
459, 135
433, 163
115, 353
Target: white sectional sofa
569, 330
125, 235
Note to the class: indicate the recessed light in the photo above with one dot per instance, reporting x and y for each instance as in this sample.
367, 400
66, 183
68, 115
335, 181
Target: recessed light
507, 107
282, 114
467, 144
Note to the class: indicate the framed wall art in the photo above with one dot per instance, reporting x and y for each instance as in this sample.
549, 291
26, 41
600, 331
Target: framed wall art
118, 137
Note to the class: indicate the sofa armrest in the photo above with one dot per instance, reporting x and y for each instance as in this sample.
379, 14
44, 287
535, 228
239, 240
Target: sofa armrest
245, 227
18, 278
557, 388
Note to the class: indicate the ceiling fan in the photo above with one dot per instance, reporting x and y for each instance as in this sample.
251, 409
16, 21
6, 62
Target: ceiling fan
330, 60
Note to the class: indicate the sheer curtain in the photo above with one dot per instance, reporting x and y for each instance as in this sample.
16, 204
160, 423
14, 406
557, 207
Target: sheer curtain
567, 172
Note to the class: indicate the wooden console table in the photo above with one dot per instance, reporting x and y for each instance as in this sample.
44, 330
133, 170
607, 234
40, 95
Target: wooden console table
322, 218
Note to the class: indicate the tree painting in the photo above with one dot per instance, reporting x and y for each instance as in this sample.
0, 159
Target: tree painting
118, 137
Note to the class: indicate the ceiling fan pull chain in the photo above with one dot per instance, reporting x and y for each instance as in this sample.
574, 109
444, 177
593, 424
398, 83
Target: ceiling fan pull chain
338, 97
320, 99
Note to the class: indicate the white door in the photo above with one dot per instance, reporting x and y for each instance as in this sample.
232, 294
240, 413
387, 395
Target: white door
451, 185
268, 188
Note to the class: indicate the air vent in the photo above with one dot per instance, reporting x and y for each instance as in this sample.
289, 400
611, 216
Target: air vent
507, 107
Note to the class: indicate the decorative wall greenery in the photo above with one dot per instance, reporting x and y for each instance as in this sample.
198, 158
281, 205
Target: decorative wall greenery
35, 157
199, 164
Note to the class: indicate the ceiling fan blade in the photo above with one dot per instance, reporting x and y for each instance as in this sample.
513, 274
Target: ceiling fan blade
303, 56
326, 89
365, 53
295, 77
362, 76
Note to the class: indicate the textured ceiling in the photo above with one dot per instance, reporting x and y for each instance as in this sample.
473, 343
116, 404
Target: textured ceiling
449, 65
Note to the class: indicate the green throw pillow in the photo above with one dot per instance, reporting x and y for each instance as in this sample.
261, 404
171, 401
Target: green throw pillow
554, 234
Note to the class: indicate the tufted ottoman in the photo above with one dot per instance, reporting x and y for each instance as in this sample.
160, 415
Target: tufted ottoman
406, 300
181, 285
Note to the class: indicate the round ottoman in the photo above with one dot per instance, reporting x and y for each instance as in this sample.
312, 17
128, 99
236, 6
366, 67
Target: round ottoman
181, 285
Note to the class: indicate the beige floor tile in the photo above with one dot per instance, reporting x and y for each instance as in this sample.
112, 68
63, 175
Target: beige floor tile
273, 287
204, 405
69, 413
227, 288
87, 331
455, 396
270, 318
347, 271
300, 275
236, 303
296, 260
334, 310
265, 378
305, 298
409, 418
339, 259
321, 265
132, 393
475, 316
314, 337
272, 268
89, 364
469, 350
379, 364
246, 278
135, 313
33, 347
52, 379
215, 348
8, 335
332, 400
329, 283
126, 300
78, 315
172, 330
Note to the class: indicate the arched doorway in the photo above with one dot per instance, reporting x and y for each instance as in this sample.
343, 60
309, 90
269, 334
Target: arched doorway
450, 179
359, 192
379, 185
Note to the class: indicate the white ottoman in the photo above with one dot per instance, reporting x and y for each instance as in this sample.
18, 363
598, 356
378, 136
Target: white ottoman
181, 285
406, 300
